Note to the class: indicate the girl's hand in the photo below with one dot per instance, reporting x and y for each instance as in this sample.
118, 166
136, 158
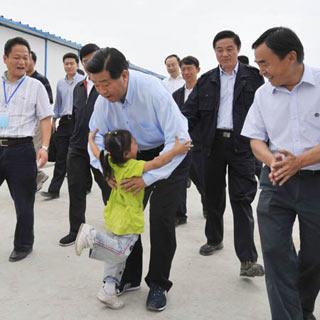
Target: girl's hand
112, 183
182, 147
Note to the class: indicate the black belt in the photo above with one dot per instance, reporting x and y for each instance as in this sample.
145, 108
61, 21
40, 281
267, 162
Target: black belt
308, 172
66, 117
8, 142
224, 133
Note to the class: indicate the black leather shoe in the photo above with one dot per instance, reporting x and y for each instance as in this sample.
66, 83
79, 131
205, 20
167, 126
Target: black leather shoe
50, 195
68, 240
209, 249
18, 255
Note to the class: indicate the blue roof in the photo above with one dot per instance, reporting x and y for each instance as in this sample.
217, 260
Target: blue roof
38, 32
52, 37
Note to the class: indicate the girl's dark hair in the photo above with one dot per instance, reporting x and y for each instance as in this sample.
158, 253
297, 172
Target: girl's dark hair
116, 143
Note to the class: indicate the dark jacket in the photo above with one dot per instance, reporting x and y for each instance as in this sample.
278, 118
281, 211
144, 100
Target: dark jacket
81, 114
45, 82
178, 97
202, 106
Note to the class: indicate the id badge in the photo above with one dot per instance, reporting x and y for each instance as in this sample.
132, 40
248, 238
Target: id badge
4, 119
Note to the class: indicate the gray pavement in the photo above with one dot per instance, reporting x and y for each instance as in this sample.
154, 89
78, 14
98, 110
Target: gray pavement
53, 283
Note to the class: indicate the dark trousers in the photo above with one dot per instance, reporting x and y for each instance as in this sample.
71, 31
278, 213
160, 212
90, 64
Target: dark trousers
196, 175
61, 142
79, 169
164, 201
242, 190
18, 167
293, 281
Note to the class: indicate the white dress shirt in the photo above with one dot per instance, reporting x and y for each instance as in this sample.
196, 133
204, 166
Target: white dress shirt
287, 119
227, 81
172, 84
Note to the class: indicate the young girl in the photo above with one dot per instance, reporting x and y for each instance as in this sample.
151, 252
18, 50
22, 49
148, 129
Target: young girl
123, 214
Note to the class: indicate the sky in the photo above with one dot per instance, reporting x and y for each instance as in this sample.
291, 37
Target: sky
147, 31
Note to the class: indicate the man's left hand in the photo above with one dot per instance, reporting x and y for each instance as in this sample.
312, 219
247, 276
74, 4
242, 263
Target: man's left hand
134, 185
286, 168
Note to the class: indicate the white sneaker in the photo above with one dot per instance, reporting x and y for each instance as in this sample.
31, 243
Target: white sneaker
111, 301
84, 238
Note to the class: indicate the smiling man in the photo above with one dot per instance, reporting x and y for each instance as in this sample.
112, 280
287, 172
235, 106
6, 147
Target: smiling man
284, 127
219, 104
23, 103
139, 103
175, 80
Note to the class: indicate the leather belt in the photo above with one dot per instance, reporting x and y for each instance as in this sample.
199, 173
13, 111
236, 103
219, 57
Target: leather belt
66, 117
224, 133
8, 142
308, 172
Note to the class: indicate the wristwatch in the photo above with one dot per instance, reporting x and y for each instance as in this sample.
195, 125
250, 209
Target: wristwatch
44, 147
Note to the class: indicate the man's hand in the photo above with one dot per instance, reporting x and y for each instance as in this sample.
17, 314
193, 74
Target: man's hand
42, 157
284, 167
134, 185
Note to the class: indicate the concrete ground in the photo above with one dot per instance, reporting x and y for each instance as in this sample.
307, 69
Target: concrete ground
54, 283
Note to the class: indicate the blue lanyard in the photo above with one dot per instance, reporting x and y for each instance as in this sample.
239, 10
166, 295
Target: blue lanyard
7, 101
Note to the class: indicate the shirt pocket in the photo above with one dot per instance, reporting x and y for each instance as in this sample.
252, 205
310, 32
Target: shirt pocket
22, 108
311, 124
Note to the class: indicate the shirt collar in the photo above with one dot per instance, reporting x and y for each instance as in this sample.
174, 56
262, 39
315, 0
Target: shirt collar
307, 77
129, 94
234, 71
5, 77
71, 80
179, 77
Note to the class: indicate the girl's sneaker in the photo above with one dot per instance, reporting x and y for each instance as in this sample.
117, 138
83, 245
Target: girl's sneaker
111, 301
85, 238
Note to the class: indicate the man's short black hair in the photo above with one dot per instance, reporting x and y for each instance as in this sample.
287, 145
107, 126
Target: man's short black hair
227, 34
14, 41
243, 59
109, 59
70, 55
172, 56
33, 56
281, 41
87, 49
190, 60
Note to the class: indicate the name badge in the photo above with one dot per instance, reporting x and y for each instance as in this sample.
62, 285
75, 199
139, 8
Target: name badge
4, 119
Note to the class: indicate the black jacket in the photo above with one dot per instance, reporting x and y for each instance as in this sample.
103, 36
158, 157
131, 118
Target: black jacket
81, 114
201, 108
45, 82
178, 97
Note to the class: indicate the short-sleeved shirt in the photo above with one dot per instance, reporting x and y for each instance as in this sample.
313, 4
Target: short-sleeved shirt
124, 211
28, 104
287, 119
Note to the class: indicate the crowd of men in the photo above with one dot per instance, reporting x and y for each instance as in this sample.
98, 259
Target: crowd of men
236, 120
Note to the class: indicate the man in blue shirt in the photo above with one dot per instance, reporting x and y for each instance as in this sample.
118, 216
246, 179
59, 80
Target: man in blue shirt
139, 103
284, 127
63, 110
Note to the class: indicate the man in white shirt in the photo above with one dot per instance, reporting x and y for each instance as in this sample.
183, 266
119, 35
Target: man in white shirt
283, 124
175, 80
23, 103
